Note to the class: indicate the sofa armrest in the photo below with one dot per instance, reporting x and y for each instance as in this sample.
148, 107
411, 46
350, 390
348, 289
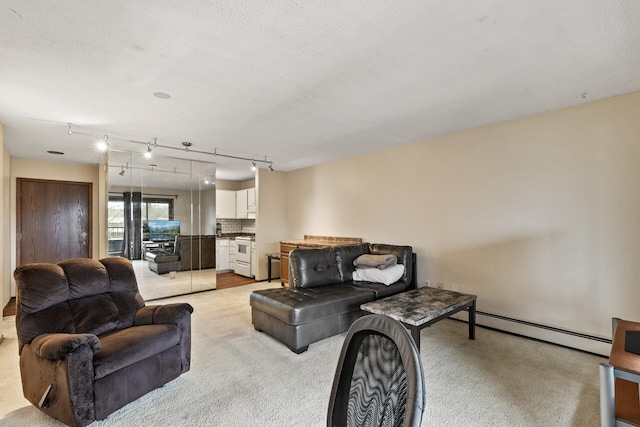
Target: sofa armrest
60, 346
178, 314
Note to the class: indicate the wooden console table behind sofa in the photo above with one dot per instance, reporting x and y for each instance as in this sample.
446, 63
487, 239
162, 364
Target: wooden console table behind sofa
308, 242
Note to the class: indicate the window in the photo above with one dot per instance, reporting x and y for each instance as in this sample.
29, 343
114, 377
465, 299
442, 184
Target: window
157, 209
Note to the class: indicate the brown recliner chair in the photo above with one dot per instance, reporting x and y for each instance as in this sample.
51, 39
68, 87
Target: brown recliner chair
88, 344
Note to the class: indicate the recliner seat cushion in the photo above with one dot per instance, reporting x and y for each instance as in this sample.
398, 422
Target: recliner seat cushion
297, 306
128, 346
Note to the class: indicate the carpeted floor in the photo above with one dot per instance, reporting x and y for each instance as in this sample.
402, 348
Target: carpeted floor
240, 377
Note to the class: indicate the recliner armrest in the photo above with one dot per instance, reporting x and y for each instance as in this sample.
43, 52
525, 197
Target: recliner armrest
174, 314
59, 346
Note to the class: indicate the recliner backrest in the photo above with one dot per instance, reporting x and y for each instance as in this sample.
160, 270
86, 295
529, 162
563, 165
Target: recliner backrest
78, 295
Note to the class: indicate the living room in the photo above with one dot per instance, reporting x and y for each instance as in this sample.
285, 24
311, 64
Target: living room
536, 215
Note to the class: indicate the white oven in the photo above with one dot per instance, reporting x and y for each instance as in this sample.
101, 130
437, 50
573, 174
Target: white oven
243, 255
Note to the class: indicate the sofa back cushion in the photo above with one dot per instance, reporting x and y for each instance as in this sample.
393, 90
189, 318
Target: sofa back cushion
196, 251
403, 253
78, 295
309, 268
345, 255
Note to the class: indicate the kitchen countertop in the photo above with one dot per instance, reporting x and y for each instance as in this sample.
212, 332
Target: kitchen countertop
234, 235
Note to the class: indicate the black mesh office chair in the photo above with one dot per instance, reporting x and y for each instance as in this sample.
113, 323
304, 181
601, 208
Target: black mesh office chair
379, 379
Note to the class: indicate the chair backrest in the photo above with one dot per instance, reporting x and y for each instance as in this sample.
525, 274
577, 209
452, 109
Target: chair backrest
379, 379
78, 295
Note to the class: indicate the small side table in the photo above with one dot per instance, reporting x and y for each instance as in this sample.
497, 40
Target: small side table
270, 258
619, 380
419, 308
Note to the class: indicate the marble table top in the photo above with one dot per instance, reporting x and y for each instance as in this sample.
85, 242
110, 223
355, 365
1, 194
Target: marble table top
419, 306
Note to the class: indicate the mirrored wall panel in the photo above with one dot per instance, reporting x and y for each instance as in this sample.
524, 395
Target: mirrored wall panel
161, 216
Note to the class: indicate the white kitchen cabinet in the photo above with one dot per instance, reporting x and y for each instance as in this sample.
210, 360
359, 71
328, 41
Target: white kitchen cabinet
241, 204
251, 199
245, 203
222, 255
225, 204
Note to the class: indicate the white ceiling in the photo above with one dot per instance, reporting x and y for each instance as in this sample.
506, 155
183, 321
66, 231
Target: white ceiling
300, 82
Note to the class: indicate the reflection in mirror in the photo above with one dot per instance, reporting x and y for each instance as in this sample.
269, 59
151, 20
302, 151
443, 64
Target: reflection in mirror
162, 217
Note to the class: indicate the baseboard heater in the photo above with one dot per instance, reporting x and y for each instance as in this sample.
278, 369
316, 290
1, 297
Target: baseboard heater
549, 328
598, 350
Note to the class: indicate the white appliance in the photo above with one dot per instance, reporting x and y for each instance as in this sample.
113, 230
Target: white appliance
243, 255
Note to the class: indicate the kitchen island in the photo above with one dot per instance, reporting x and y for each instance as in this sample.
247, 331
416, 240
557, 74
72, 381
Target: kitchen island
309, 242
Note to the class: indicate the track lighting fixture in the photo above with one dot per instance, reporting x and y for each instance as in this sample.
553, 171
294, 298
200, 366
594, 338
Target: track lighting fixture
121, 173
185, 144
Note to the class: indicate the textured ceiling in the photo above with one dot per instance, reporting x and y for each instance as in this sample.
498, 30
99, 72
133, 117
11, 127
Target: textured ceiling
302, 83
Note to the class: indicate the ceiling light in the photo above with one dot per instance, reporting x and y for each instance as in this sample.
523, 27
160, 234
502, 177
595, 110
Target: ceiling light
69, 129
162, 95
121, 173
147, 153
253, 165
270, 166
104, 144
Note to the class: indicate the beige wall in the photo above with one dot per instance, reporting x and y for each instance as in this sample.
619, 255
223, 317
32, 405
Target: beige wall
24, 168
539, 217
5, 231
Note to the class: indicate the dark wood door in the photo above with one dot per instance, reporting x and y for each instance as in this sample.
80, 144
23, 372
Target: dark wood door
53, 220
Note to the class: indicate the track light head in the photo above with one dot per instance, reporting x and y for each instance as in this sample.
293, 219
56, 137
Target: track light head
147, 153
104, 144
69, 129
270, 166
253, 165
121, 173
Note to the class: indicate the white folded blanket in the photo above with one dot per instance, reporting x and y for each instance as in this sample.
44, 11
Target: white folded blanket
387, 276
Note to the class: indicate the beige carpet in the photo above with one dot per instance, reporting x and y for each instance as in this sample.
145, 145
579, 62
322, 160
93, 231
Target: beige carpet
240, 377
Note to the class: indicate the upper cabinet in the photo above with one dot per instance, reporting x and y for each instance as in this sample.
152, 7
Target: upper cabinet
251, 199
225, 204
236, 204
246, 203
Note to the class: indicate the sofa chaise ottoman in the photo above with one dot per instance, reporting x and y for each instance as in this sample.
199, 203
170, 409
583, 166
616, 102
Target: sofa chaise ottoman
323, 299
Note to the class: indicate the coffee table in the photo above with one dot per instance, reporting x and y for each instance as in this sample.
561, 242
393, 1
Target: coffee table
419, 308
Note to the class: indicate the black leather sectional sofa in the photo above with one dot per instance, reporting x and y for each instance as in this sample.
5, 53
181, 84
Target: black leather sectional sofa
189, 253
322, 299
